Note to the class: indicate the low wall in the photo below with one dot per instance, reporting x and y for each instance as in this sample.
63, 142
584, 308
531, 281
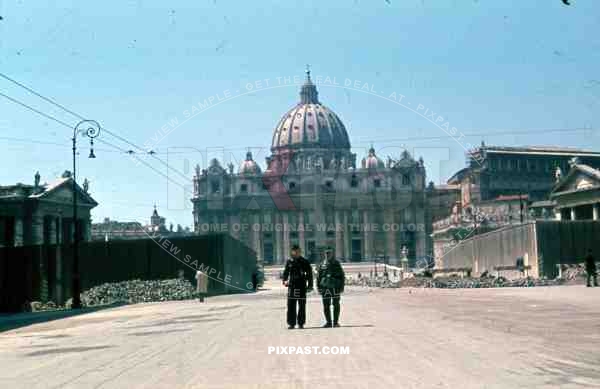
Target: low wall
40, 273
542, 244
497, 249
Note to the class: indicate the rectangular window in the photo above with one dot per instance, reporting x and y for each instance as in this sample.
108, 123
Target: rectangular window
377, 183
244, 188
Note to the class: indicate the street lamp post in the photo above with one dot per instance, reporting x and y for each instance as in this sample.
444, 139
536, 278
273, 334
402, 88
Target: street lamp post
91, 129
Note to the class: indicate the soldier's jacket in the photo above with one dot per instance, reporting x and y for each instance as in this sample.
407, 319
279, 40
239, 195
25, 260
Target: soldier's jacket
590, 264
299, 273
330, 276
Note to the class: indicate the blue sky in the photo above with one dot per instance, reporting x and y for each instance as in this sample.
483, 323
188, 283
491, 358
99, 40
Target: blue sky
484, 66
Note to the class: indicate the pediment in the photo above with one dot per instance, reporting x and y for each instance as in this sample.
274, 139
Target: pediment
63, 193
578, 180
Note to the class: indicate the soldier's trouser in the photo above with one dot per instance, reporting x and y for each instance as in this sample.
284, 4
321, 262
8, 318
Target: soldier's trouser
592, 276
296, 297
331, 298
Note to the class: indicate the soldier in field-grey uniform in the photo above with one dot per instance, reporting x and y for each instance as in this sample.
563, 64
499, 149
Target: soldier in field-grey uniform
330, 284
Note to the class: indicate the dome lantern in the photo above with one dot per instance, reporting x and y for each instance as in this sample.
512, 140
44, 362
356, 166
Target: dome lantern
308, 92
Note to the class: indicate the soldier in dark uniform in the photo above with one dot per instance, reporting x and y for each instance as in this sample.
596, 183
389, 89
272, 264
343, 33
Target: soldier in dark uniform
590, 269
255, 280
298, 277
330, 283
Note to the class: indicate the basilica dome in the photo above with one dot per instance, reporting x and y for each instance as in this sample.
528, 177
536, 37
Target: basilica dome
310, 125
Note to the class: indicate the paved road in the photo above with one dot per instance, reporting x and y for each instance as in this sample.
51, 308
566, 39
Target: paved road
418, 338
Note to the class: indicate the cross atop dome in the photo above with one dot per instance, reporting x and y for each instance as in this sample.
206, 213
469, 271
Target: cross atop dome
308, 92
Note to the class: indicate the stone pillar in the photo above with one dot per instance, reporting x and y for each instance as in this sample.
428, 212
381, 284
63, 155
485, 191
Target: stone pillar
59, 286
573, 216
52, 238
286, 234
320, 232
251, 231
59, 230
301, 238
37, 230
367, 236
278, 235
391, 238
86, 225
258, 241
339, 236
596, 211
347, 238
18, 231
420, 235
234, 226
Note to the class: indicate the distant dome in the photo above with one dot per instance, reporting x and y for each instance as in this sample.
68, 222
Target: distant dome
372, 161
310, 124
249, 166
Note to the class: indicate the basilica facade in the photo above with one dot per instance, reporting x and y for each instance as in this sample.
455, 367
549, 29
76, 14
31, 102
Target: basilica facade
313, 193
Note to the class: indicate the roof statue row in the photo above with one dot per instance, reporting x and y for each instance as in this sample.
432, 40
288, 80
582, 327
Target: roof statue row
249, 167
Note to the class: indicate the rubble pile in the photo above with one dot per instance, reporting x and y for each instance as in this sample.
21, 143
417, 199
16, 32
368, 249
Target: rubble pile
39, 306
125, 292
575, 272
455, 282
138, 291
487, 282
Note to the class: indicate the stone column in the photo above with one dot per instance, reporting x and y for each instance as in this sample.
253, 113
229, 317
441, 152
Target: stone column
86, 225
421, 235
347, 238
558, 215
59, 230
596, 211
320, 231
573, 216
302, 242
278, 236
58, 293
367, 236
251, 232
286, 234
339, 236
18, 231
234, 226
391, 237
52, 238
258, 241
37, 230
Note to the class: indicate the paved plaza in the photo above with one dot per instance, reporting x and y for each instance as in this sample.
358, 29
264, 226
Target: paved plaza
401, 338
